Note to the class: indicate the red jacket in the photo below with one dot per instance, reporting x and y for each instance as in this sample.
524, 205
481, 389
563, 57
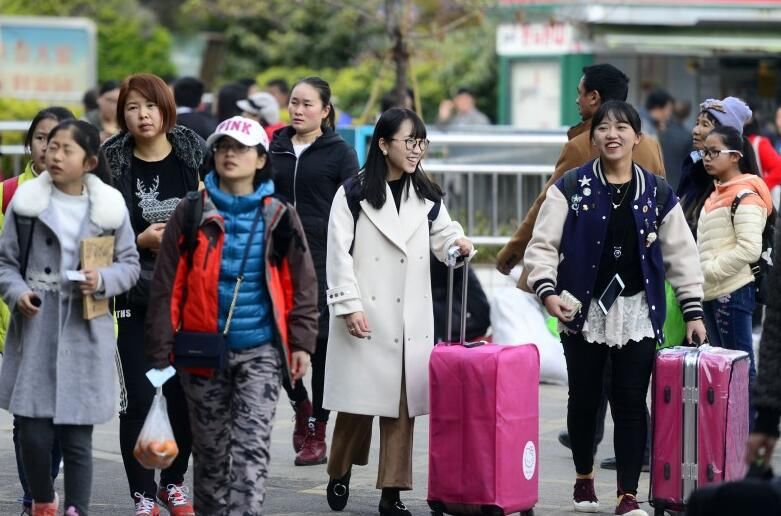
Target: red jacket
290, 279
768, 160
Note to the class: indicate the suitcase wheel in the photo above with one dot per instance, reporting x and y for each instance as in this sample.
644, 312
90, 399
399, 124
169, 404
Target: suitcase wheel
659, 512
491, 510
530, 512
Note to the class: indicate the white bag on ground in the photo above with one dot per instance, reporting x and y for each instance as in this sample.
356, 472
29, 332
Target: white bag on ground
518, 317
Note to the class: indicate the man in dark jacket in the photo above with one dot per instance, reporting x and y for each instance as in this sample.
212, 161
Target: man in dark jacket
187, 93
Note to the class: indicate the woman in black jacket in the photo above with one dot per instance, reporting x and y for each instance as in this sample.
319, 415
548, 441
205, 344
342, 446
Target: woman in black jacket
154, 163
310, 162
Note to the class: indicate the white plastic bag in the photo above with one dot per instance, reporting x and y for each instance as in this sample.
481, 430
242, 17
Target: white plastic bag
156, 447
518, 317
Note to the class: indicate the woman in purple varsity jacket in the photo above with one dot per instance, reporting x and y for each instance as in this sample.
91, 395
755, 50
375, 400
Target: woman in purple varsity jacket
607, 236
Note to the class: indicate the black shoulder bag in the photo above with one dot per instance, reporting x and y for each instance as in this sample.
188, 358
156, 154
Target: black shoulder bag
199, 350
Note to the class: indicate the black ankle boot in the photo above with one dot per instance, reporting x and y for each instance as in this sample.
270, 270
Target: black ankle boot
391, 505
337, 492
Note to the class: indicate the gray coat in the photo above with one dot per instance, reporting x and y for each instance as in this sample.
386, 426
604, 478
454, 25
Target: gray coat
58, 365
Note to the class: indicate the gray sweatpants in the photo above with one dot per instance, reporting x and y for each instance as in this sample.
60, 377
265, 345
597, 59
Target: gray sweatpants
231, 416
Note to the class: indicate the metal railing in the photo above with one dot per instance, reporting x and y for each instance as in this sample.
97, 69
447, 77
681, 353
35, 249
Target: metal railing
491, 174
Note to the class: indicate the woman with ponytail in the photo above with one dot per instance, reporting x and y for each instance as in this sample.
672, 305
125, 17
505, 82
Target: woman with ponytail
310, 162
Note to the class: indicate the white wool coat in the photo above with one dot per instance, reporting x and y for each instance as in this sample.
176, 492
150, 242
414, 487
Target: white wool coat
387, 277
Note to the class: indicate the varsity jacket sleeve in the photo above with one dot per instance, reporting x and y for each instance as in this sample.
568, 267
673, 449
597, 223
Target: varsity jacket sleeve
343, 295
443, 233
681, 262
749, 222
12, 285
541, 259
120, 276
767, 387
159, 336
302, 318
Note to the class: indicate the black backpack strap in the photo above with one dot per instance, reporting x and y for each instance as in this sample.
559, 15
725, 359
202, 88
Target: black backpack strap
433, 213
25, 226
192, 222
352, 193
736, 201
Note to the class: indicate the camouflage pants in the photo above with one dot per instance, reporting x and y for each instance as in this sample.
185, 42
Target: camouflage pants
231, 416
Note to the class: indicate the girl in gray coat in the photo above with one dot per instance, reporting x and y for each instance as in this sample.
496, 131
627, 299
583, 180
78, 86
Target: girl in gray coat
57, 375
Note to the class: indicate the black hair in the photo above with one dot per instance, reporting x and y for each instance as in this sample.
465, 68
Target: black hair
465, 90
658, 99
734, 140
87, 137
390, 100
373, 176
711, 118
55, 113
188, 92
620, 111
227, 98
90, 100
107, 86
324, 91
607, 80
281, 84
261, 174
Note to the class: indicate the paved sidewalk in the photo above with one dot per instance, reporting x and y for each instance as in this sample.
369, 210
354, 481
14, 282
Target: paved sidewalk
301, 490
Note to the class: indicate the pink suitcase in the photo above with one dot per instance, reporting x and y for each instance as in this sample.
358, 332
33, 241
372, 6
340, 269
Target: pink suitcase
700, 422
483, 427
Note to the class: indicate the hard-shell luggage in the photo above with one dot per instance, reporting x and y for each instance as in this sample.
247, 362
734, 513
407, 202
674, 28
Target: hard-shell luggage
483, 427
700, 422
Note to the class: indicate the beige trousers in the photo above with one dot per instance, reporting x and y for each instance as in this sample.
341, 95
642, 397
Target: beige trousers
352, 438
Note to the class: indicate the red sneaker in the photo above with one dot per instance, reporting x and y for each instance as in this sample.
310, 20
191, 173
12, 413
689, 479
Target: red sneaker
176, 498
627, 506
145, 506
584, 498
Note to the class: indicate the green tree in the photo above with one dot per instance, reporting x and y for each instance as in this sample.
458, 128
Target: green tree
129, 38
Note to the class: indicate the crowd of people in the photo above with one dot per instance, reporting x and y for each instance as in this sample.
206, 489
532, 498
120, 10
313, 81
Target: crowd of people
256, 230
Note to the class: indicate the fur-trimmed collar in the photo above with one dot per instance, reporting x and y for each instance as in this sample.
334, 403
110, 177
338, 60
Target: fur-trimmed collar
188, 147
106, 205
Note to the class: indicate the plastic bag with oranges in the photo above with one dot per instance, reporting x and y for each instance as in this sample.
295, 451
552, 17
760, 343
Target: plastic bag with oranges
156, 447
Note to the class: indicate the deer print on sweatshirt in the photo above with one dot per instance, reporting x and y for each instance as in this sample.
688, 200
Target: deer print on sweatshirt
151, 209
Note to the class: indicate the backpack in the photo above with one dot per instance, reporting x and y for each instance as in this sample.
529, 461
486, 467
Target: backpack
352, 192
191, 224
762, 267
9, 189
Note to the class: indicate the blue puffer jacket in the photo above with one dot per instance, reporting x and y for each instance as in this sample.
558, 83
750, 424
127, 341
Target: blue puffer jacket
252, 317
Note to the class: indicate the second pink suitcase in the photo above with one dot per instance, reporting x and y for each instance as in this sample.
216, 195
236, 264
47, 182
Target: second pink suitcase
700, 422
483, 427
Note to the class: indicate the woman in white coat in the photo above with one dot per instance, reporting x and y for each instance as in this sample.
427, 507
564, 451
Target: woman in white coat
382, 226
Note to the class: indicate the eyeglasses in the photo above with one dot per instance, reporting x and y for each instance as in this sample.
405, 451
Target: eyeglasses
411, 143
715, 153
224, 147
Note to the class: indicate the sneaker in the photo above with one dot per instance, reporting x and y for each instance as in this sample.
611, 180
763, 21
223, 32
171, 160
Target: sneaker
301, 423
176, 498
583, 497
627, 506
337, 492
314, 449
145, 506
27, 510
393, 508
46, 509
71, 511
564, 439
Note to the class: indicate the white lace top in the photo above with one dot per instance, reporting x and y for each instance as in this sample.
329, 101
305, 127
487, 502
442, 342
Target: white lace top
628, 319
